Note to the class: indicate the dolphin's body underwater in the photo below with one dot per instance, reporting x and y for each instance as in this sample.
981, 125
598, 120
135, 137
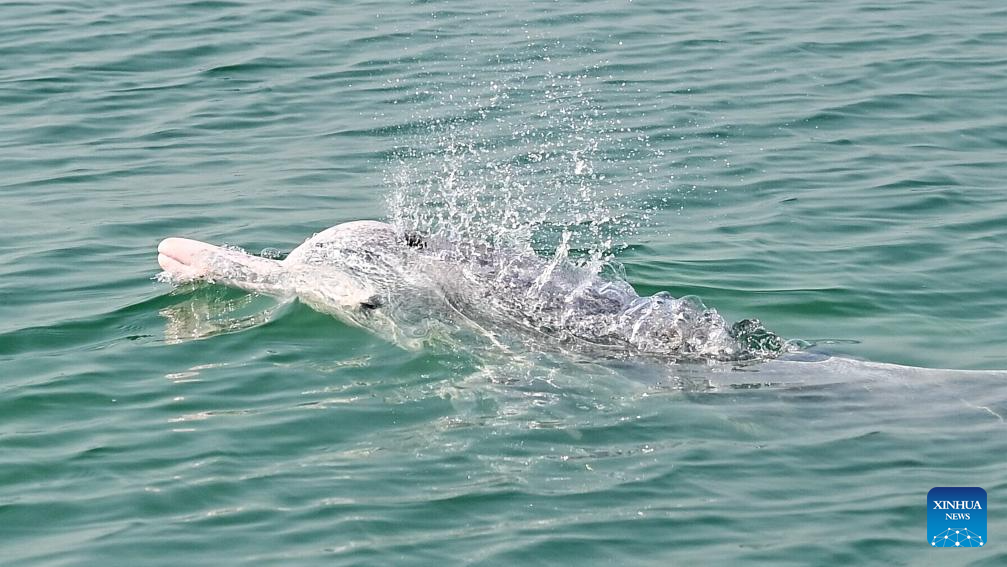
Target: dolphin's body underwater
377, 276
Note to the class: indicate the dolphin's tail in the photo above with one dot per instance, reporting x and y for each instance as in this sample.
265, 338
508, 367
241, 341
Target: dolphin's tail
191, 260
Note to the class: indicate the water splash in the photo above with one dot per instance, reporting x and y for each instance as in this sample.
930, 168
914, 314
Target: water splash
521, 162
529, 164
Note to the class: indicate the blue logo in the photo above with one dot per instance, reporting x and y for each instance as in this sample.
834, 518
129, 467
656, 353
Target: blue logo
956, 517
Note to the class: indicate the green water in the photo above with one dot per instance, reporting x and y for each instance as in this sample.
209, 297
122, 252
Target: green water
836, 170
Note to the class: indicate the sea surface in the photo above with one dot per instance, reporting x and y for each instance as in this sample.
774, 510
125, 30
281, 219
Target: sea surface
837, 170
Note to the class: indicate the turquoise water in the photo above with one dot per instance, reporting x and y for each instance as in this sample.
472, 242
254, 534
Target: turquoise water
834, 170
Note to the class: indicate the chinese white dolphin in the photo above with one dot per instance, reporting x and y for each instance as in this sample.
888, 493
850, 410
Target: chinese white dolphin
383, 278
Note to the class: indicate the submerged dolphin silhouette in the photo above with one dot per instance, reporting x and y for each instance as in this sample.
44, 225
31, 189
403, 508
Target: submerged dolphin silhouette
377, 276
